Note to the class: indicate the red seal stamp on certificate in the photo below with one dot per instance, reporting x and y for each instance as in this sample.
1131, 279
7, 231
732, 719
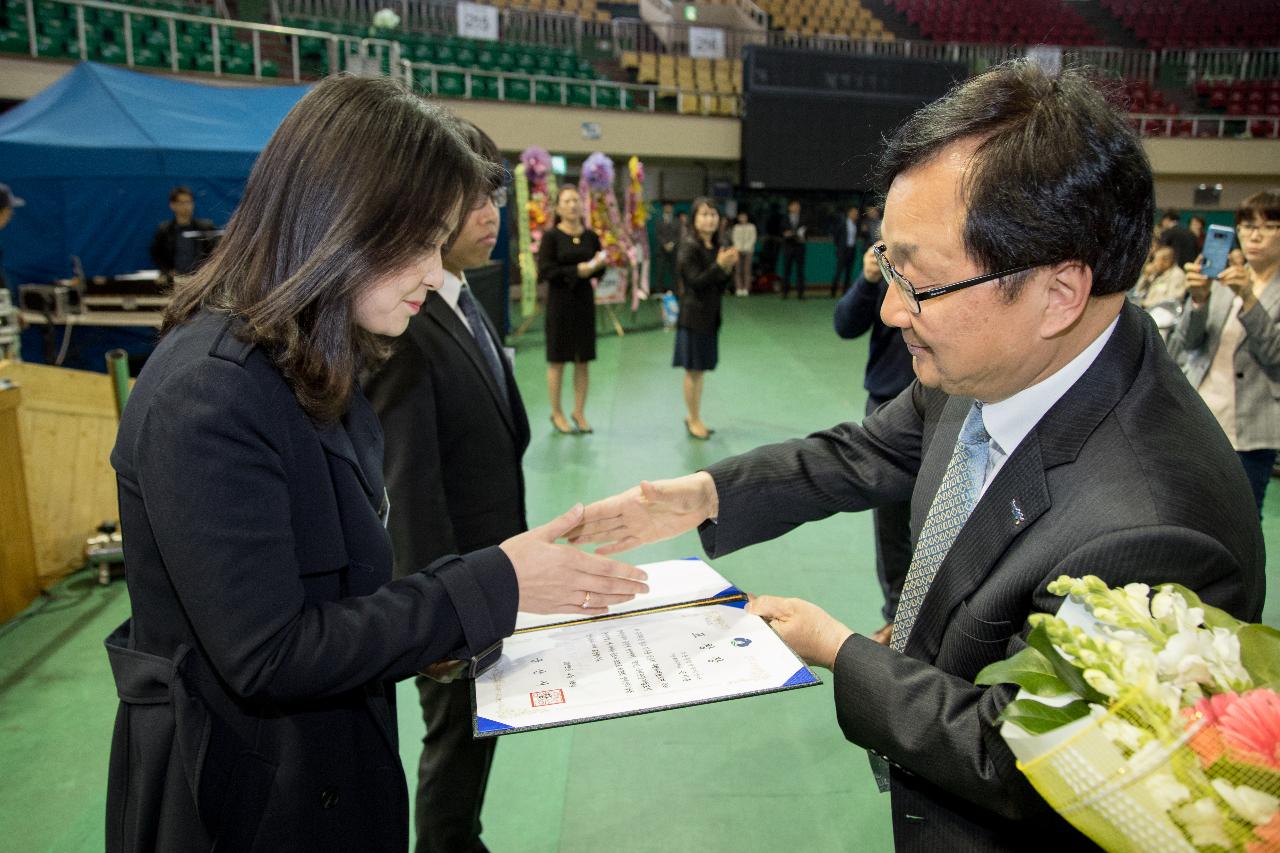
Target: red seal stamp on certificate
542, 698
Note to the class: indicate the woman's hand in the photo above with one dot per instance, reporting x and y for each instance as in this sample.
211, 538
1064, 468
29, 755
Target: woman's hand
1198, 285
1240, 281
727, 258
561, 579
586, 269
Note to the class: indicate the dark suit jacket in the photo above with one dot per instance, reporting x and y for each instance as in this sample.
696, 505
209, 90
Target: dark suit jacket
1127, 477
889, 368
455, 441
256, 674
700, 283
162, 242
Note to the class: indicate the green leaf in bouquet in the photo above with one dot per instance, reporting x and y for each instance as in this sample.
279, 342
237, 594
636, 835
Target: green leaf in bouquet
1036, 718
1029, 670
1254, 774
1213, 617
1039, 640
1260, 654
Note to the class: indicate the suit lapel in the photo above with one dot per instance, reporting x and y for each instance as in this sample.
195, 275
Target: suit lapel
1019, 494
438, 311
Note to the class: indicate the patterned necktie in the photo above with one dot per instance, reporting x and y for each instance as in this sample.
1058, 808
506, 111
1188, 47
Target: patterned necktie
480, 332
956, 497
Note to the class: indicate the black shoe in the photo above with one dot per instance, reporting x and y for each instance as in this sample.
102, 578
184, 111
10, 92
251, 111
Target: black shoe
582, 425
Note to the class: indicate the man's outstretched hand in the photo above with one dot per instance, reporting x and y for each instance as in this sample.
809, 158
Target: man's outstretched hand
649, 512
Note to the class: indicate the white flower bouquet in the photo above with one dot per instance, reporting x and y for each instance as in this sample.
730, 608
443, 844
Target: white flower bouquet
1150, 722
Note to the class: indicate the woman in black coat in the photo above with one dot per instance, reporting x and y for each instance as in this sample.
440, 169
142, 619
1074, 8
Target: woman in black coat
703, 268
568, 257
256, 674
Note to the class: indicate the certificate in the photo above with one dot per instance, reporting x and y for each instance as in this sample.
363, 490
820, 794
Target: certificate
623, 664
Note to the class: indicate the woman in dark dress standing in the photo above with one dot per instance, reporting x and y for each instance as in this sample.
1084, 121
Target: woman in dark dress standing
568, 257
703, 268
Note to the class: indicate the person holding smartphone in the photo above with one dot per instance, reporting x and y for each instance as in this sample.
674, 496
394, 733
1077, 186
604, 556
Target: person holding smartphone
1228, 339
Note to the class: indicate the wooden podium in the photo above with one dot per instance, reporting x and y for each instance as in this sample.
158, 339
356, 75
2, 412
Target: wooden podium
57, 428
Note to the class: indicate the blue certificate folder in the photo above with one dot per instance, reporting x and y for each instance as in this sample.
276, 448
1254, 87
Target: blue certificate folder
688, 641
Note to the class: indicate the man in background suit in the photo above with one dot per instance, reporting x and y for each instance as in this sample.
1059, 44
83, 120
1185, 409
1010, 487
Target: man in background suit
172, 251
794, 234
668, 230
844, 237
456, 431
1048, 432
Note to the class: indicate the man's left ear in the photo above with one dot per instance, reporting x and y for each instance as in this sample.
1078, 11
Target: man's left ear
1067, 292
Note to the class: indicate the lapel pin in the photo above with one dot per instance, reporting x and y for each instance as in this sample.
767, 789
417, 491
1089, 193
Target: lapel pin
1018, 516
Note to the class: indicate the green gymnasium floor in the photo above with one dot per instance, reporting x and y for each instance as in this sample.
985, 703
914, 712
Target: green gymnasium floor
766, 773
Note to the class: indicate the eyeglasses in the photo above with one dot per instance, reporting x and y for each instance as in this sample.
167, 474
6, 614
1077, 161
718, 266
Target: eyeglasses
914, 297
498, 196
1266, 229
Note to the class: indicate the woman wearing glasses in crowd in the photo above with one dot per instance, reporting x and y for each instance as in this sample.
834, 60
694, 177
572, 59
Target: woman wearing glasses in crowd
1228, 339
256, 676
703, 268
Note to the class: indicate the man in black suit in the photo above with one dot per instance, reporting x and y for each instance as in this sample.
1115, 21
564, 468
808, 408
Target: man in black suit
887, 375
455, 434
794, 234
1048, 432
175, 248
844, 237
669, 232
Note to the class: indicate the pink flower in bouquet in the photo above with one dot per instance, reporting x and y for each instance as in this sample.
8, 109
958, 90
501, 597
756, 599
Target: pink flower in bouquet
1206, 743
597, 172
1251, 727
1268, 836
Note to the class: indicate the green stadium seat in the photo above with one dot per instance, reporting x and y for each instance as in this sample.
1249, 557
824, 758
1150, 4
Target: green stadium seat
270, 68
12, 41
50, 46
149, 57
465, 57
450, 84
236, 65
445, 55
484, 87
204, 62
108, 52
526, 63
505, 60
312, 46
607, 97
580, 95
516, 89
546, 93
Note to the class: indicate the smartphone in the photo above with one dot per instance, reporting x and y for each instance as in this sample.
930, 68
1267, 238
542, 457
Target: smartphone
1218, 241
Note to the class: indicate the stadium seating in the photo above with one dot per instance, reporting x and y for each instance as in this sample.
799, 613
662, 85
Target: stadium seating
105, 40
825, 17
1199, 23
998, 21
470, 54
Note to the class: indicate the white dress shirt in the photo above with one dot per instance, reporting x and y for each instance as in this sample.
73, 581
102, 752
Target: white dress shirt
1009, 420
449, 292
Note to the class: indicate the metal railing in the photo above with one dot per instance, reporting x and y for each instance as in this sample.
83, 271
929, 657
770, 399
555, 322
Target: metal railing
559, 29
626, 96
343, 52
1225, 63
1206, 126
438, 17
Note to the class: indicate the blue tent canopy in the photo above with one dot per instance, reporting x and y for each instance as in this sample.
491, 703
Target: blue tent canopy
96, 154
